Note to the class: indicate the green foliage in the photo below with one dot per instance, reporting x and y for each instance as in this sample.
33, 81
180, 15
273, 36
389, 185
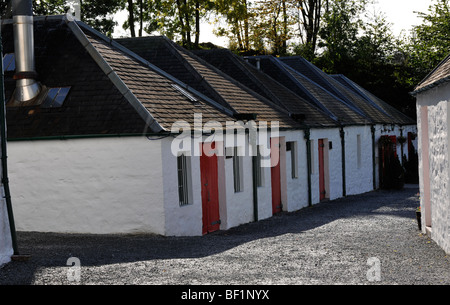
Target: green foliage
99, 13
429, 43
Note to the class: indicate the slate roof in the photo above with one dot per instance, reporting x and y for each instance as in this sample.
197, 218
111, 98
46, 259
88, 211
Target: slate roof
263, 84
111, 92
369, 109
439, 75
207, 79
335, 107
398, 116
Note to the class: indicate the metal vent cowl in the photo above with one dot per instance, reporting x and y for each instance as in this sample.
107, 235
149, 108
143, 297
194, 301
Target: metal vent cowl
27, 88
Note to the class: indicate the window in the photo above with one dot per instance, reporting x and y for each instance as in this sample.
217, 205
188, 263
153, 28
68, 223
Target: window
9, 62
55, 97
259, 168
237, 171
184, 169
292, 147
187, 94
358, 151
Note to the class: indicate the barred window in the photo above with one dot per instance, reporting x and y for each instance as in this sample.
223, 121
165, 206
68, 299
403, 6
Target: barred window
259, 168
237, 171
184, 169
292, 148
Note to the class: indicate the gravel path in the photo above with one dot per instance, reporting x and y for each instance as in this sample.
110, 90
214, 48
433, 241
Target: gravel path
366, 239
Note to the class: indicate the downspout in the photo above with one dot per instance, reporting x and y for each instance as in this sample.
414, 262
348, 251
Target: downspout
254, 152
27, 88
308, 161
255, 187
401, 146
374, 177
344, 186
5, 180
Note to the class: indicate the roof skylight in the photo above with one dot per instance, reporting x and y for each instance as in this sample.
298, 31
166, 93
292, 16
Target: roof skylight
9, 62
55, 97
187, 94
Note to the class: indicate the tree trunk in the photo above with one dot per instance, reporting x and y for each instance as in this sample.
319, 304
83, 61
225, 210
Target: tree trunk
285, 29
197, 23
141, 17
246, 26
188, 26
131, 17
180, 16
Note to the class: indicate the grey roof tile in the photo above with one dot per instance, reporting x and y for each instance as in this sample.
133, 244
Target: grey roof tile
94, 104
370, 110
266, 86
207, 79
439, 75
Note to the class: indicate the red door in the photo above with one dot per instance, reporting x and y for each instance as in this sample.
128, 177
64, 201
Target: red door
210, 189
321, 170
275, 174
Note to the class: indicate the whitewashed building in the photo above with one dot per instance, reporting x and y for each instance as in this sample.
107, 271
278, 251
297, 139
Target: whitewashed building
433, 117
111, 143
6, 246
94, 153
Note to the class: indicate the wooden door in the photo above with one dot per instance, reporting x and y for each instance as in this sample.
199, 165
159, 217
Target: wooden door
321, 170
210, 189
275, 175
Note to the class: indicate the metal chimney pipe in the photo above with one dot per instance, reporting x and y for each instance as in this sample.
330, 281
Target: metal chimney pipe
27, 87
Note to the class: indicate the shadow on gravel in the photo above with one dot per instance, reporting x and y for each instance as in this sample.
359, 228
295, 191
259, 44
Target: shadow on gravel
53, 250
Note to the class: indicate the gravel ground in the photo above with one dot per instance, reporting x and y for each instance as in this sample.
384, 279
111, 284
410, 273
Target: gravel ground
366, 239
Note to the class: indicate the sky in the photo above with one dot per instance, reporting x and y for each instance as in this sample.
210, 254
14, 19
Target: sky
399, 13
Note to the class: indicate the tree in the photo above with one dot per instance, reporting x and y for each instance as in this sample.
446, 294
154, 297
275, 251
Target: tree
309, 20
338, 35
98, 13
273, 17
429, 43
237, 14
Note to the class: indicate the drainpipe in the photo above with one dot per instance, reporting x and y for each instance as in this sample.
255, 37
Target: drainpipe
309, 165
255, 187
27, 88
344, 186
5, 180
401, 145
374, 177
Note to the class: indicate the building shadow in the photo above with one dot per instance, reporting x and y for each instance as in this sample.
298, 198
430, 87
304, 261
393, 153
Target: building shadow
53, 250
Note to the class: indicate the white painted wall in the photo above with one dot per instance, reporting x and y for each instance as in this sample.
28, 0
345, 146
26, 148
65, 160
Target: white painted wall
98, 185
6, 249
297, 188
239, 205
181, 220
129, 184
358, 173
438, 138
334, 161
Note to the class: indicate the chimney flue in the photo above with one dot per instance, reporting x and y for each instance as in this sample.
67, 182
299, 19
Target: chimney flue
27, 88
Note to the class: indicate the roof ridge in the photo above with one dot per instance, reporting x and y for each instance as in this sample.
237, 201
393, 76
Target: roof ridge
112, 75
324, 77
236, 83
156, 69
175, 50
360, 92
260, 79
417, 89
292, 78
241, 64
